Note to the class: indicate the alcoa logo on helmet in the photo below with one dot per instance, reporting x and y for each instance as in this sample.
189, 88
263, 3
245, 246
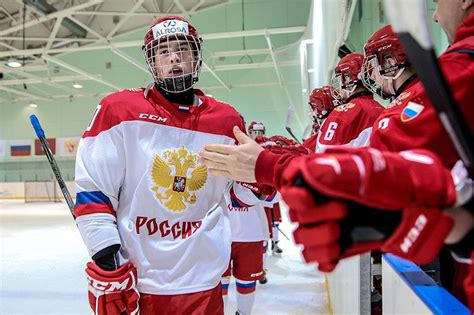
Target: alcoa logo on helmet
170, 27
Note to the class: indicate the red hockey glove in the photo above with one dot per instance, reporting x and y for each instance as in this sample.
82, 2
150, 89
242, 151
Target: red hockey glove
282, 141
339, 230
297, 150
367, 176
259, 189
113, 292
261, 139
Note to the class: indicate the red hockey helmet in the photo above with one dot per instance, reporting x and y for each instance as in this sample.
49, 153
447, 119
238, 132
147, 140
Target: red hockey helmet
384, 61
347, 75
172, 49
321, 103
256, 128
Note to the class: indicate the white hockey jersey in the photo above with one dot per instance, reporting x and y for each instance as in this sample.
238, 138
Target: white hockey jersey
248, 221
137, 165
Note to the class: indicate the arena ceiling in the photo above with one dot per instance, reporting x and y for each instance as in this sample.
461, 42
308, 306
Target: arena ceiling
60, 46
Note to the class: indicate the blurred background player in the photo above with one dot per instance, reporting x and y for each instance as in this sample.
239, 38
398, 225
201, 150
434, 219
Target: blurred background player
350, 122
256, 129
151, 216
249, 228
274, 213
321, 103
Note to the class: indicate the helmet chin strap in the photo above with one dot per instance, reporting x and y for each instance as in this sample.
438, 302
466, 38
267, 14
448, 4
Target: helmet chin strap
348, 92
390, 81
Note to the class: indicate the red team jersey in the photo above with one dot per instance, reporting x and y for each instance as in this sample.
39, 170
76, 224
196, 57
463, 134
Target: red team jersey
349, 124
137, 165
310, 143
411, 121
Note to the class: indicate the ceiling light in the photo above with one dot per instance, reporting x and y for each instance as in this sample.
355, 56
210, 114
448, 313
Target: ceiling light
304, 90
33, 105
76, 85
311, 70
13, 63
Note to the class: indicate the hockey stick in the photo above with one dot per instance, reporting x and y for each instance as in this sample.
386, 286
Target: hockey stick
290, 116
409, 19
57, 172
278, 228
52, 162
283, 233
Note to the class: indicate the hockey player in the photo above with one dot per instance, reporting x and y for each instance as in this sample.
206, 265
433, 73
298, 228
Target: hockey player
321, 103
355, 110
273, 213
150, 214
249, 231
373, 178
256, 129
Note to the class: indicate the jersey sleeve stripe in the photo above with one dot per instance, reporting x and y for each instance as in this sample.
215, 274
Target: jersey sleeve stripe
92, 202
236, 202
86, 197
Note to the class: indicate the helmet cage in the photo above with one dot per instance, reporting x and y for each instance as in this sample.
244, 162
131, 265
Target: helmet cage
256, 129
342, 86
169, 58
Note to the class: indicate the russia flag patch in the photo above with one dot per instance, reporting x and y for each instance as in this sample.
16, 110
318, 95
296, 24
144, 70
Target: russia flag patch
411, 111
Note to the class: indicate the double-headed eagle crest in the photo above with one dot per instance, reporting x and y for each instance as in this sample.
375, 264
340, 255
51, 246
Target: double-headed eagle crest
177, 176
344, 107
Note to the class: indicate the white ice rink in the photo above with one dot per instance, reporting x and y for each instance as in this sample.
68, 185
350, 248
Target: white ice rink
43, 259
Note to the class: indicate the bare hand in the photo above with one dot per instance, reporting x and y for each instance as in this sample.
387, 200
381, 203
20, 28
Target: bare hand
234, 161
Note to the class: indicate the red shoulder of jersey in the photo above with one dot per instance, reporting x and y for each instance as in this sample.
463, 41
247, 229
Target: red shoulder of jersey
412, 122
221, 116
112, 110
346, 122
211, 116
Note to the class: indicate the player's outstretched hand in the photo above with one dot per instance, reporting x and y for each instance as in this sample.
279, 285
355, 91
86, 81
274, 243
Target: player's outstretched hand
236, 162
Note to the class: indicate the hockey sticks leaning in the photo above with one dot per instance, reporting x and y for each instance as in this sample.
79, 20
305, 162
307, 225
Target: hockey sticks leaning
409, 19
290, 116
52, 162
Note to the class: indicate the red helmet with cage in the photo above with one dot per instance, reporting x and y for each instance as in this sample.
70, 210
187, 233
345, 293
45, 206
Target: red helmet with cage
347, 75
384, 60
172, 49
255, 129
321, 103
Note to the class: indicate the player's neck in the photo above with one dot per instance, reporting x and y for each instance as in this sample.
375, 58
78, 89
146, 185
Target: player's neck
186, 98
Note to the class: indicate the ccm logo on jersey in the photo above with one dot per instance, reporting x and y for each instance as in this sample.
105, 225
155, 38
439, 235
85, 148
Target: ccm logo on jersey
153, 117
413, 234
109, 286
151, 226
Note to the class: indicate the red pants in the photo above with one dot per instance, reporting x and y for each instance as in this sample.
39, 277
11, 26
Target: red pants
246, 261
206, 302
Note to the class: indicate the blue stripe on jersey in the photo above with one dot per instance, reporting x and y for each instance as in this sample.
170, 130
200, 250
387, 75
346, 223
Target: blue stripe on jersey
246, 285
225, 286
271, 197
92, 197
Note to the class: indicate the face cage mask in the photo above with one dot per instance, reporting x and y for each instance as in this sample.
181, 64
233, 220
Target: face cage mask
340, 90
316, 116
174, 62
374, 78
256, 133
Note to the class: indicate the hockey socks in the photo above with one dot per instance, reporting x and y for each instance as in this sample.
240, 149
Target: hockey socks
245, 296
